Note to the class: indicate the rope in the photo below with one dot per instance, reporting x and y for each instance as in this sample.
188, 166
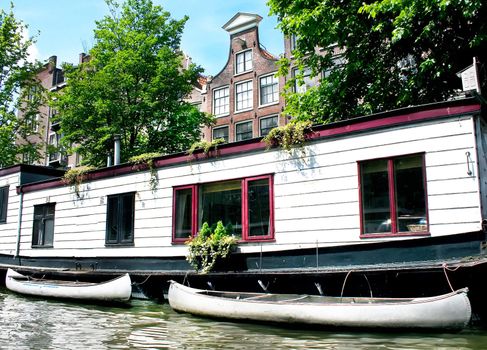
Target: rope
445, 267
345, 281
141, 283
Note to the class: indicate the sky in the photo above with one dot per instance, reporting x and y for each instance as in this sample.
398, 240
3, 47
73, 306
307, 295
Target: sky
65, 27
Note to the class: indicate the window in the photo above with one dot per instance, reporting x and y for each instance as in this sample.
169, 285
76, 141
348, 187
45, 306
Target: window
54, 142
393, 196
243, 62
269, 90
245, 207
267, 124
243, 96
221, 101
303, 81
220, 133
293, 41
43, 226
243, 131
120, 219
3, 204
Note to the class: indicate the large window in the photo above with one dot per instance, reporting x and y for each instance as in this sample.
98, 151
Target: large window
245, 207
43, 226
221, 101
243, 96
120, 219
303, 81
243, 62
393, 196
220, 133
243, 131
269, 90
267, 124
3, 204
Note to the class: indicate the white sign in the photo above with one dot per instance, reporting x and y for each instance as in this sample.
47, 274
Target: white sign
469, 79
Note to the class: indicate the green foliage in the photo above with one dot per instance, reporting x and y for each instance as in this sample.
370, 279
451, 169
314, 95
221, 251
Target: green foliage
205, 145
209, 246
20, 94
393, 53
133, 84
288, 136
74, 177
148, 160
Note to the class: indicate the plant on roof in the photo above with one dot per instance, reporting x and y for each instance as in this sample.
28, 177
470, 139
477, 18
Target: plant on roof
206, 146
74, 177
210, 245
293, 134
147, 159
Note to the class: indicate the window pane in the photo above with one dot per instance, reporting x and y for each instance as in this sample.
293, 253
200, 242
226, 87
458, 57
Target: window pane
183, 213
222, 201
244, 95
410, 194
269, 90
267, 124
48, 232
112, 222
375, 197
127, 218
221, 133
3, 203
243, 62
243, 131
259, 207
221, 101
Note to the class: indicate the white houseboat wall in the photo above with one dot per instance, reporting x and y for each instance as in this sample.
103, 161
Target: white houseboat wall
330, 206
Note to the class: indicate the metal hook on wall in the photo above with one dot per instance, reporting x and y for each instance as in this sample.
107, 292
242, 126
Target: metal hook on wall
469, 160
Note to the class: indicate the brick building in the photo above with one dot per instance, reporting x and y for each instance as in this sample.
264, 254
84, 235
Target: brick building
245, 95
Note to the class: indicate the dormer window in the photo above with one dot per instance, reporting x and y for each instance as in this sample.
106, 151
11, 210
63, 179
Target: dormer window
243, 62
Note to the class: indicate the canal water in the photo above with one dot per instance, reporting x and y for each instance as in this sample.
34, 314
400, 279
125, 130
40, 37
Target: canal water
29, 323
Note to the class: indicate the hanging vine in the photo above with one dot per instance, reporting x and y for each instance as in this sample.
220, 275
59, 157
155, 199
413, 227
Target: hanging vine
291, 135
147, 159
74, 177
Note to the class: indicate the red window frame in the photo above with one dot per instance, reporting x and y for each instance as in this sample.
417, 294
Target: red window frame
392, 199
245, 207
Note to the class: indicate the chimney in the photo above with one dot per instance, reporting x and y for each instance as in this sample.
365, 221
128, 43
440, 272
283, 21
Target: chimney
82, 57
116, 150
52, 62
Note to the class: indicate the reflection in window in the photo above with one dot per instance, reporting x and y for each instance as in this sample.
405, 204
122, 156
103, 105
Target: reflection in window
243, 131
43, 225
120, 219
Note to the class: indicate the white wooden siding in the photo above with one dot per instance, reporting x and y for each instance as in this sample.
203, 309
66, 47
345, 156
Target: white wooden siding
8, 230
316, 196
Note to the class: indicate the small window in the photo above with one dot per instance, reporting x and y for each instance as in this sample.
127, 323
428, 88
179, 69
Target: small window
120, 219
243, 62
3, 204
393, 196
293, 41
267, 124
182, 215
220, 133
221, 101
303, 81
244, 98
243, 131
269, 90
43, 226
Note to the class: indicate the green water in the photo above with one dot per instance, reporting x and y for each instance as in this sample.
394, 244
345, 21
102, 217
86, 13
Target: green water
27, 323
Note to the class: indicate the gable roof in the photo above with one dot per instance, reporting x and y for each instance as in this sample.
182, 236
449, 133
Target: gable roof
242, 21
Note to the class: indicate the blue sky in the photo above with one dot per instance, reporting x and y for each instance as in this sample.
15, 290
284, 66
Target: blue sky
66, 27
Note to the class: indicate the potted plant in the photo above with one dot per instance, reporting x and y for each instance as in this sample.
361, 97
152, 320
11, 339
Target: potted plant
210, 245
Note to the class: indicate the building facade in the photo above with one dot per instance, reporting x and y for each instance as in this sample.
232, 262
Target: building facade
245, 95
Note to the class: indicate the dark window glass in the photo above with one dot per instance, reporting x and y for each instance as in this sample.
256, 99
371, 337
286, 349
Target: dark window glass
120, 219
222, 201
259, 207
3, 204
43, 226
402, 180
183, 213
243, 131
267, 124
221, 133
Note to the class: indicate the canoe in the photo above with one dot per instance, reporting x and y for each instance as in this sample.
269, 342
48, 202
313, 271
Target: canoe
448, 311
116, 290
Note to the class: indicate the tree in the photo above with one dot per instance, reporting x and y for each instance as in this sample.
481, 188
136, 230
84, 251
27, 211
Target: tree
134, 85
396, 53
20, 94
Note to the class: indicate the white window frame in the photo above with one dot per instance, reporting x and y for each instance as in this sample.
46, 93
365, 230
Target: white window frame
226, 111
245, 68
275, 82
251, 99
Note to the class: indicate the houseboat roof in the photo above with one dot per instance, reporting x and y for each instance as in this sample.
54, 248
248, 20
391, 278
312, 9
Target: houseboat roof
387, 119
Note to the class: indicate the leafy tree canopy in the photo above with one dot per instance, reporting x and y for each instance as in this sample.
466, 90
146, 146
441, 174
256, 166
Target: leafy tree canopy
395, 53
20, 94
133, 84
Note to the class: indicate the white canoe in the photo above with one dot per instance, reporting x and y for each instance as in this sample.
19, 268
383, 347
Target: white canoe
115, 290
448, 311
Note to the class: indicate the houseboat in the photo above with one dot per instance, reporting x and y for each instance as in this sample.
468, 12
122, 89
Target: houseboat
387, 203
